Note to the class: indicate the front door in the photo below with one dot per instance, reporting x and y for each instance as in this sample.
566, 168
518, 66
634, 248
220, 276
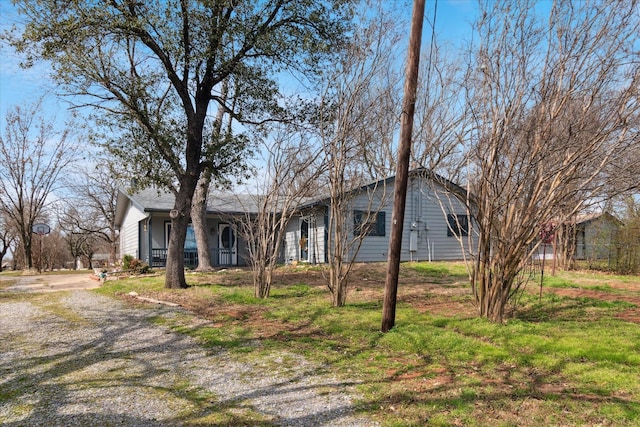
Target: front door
227, 244
304, 239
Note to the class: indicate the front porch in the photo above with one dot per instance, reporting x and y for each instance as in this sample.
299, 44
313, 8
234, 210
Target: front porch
222, 257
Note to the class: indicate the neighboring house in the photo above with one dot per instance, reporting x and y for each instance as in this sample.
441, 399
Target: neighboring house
436, 224
144, 223
595, 235
590, 236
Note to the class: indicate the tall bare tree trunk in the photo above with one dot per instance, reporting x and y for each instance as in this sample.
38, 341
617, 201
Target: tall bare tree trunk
360, 85
199, 204
199, 220
338, 277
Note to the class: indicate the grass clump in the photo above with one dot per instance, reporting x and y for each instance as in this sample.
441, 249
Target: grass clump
442, 272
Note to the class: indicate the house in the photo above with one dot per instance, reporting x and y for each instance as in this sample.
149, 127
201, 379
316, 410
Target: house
588, 236
436, 224
595, 235
144, 223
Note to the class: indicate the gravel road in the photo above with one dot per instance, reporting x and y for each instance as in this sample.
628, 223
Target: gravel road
80, 359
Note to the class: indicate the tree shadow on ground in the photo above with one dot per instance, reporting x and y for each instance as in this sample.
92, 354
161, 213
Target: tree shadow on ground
123, 371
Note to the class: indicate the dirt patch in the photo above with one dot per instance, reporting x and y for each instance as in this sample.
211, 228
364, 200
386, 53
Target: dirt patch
52, 283
439, 296
450, 297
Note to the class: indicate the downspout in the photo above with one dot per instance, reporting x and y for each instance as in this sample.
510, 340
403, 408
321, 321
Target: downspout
326, 234
148, 257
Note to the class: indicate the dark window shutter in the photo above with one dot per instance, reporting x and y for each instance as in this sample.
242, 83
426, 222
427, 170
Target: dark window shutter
451, 222
381, 224
357, 222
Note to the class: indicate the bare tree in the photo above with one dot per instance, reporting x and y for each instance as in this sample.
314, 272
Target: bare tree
89, 208
51, 251
441, 119
34, 157
359, 86
7, 238
291, 168
80, 228
626, 256
551, 102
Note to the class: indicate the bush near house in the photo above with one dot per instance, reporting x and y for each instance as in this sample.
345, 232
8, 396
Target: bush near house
129, 263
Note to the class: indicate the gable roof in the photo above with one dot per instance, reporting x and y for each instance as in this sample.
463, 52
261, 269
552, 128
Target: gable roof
587, 218
156, 200
419, 172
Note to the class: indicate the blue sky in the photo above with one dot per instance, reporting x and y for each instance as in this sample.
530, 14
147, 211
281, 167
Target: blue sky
20, 86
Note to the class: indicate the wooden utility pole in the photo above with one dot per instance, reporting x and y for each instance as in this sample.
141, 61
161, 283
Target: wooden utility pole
402, 168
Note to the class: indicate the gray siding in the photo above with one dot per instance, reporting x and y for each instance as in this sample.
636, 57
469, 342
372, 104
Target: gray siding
129, 231
426, 212
425, 217
373, 248
595, 239
292, 237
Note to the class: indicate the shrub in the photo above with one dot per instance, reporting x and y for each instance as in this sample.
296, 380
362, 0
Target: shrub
138, 267
129, 263
126, 262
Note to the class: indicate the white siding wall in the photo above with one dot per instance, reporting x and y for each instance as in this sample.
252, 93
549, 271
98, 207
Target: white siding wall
292, 237
129, 231
158, 231
316, 239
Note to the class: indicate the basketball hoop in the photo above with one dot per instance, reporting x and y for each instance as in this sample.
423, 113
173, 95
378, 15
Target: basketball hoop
41, 229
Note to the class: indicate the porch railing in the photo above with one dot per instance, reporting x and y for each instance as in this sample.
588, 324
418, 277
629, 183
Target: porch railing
222, 257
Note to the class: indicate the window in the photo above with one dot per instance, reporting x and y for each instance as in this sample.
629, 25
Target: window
458, 225
369, 223
190, 240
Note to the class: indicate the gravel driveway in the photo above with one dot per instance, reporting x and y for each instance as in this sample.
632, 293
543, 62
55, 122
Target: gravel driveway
79, 359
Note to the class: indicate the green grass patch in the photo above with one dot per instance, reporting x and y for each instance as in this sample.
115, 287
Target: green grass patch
601, 282
140, 285
594, 277
558, 282
559, 361
210, 337
439, 270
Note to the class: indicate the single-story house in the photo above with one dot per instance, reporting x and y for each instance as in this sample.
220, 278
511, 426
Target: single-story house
595, 235
591, 236
436, 224
144, 223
